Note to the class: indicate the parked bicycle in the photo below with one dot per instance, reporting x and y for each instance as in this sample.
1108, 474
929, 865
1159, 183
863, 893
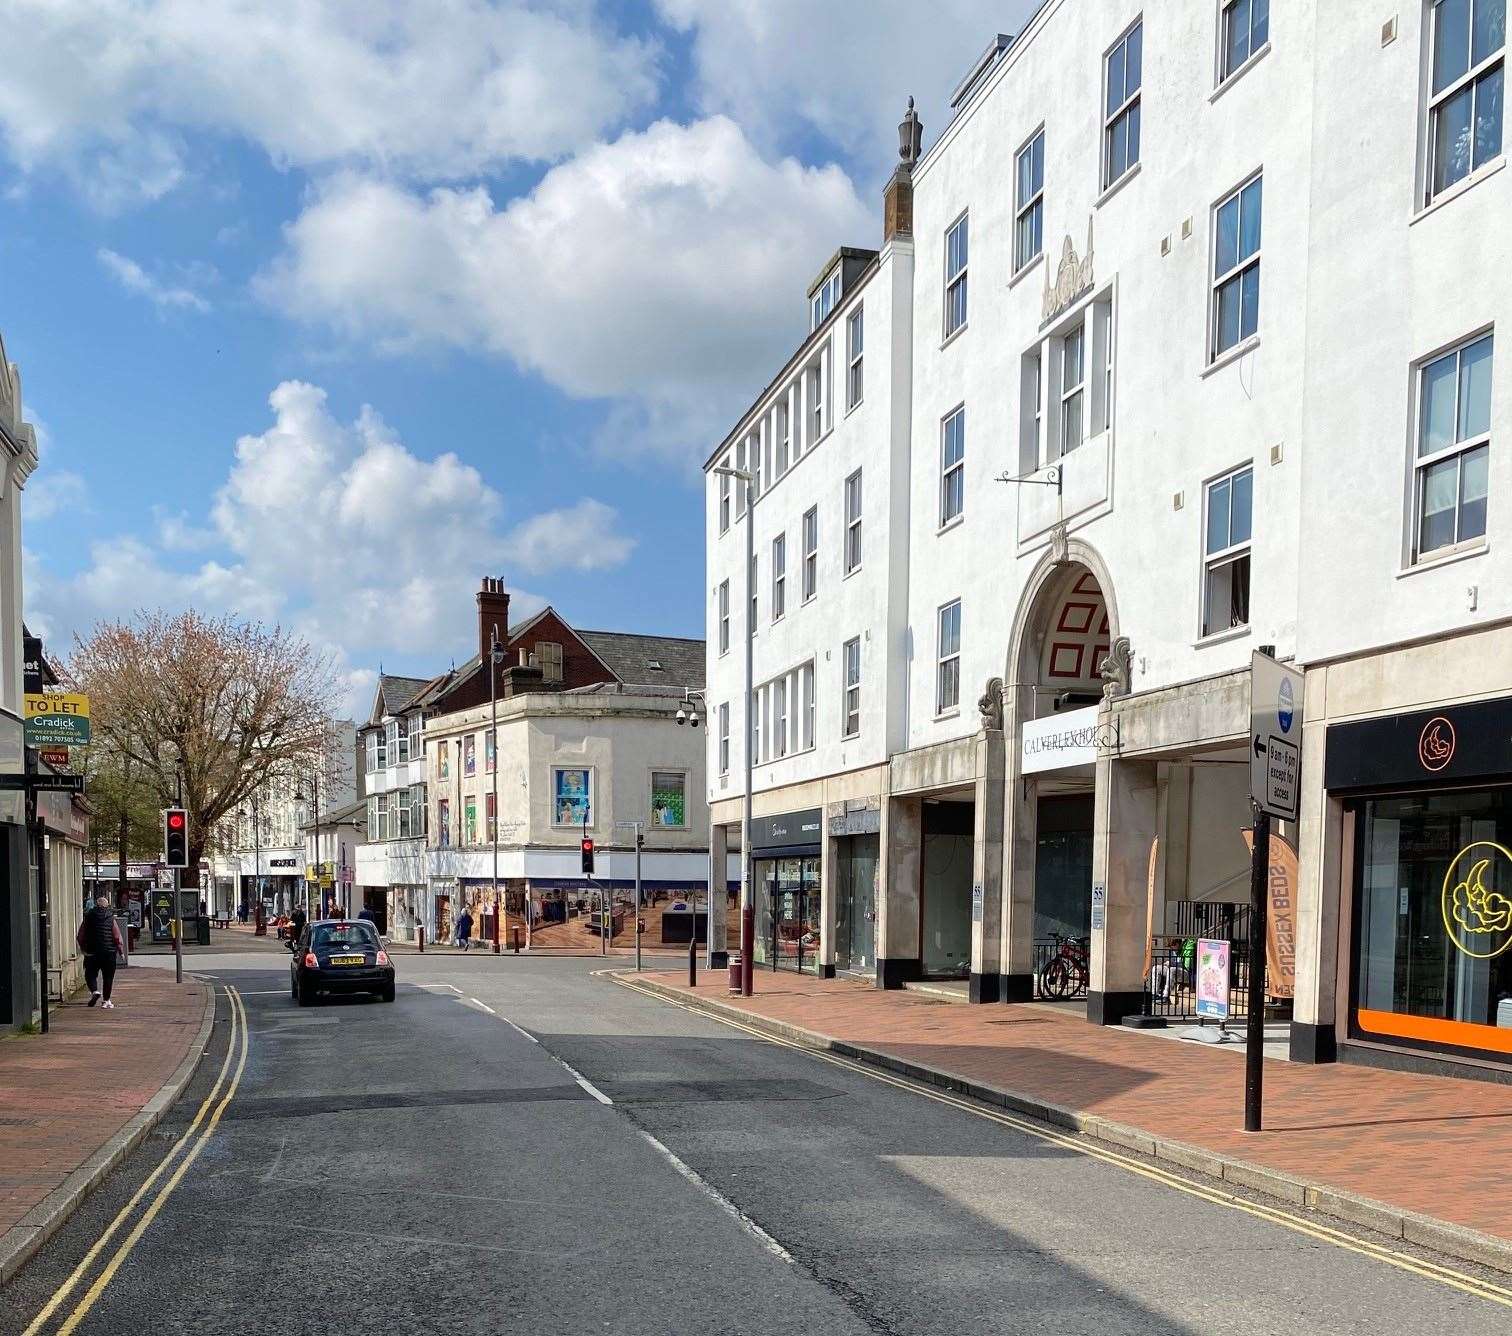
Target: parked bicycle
1066, 974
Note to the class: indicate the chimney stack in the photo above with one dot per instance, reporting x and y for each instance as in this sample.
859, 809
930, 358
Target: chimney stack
897, 199
493, 615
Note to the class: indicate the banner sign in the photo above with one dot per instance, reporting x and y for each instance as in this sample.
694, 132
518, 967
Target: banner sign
1280, 918
1212, 979
1072, 737
57, 719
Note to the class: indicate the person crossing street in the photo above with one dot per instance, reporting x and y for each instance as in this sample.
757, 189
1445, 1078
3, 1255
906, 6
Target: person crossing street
99, 938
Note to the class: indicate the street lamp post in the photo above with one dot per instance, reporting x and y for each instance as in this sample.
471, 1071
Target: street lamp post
747, 872
495, 659
686, 715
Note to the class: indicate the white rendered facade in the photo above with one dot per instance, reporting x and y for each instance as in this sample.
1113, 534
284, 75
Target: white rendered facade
1198, 335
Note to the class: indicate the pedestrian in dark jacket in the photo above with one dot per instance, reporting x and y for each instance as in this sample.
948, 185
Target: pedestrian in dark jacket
99, 938
367, 916
297, 924
464, 928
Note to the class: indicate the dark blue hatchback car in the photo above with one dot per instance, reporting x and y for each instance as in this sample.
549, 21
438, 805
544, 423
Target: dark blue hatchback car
339, 956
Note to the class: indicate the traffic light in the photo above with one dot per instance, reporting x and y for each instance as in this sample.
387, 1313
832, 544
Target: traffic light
587, 857
175, 837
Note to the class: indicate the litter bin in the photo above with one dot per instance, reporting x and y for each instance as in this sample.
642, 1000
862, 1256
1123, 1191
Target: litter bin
202, 935
735, 976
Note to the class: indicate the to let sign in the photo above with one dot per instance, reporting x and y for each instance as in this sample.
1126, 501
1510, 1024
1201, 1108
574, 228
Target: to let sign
57, 719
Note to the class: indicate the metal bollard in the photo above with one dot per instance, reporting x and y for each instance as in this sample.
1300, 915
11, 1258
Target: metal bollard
516, 932
693, 962
420, 934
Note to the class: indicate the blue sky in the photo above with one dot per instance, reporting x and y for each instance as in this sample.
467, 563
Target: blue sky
326, 311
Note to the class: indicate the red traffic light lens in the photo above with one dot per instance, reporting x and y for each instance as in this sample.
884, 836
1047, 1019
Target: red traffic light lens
587, 846
175, 821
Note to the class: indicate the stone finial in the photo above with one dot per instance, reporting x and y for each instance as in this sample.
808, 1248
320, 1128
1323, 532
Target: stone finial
910, 136
990, 706
1116, 669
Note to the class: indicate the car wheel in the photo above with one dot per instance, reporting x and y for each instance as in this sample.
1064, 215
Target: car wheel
387, 994
306, 995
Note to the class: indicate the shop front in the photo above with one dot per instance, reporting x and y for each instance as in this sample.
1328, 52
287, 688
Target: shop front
1426, 918
785, 856
855, 846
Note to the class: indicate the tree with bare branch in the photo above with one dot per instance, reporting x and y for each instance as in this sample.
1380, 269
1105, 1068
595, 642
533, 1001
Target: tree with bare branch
206, 709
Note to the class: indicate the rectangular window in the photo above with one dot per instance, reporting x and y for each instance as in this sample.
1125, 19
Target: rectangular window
372, 751
1453, 447
756, 455
1467, 42
755, 739
948, 659
490, 750
755, 607
490, 818
400, 817
953, 466
779, 717
382, 757
443, 760
724, 616
724, 499
779, 576
855, 344
1029, 202
850, 711
572, 797
741, 487
1226, 549
470, 754
815, 378
824, 300
810, 552
1073, 388
1122, 76
806, 705
549, 656
417, 806
853, 521
669, 799
443, 821
401, 750
724, 738
383, 817
470, 821
784, 437
1236, 267
955, 275
1244, 27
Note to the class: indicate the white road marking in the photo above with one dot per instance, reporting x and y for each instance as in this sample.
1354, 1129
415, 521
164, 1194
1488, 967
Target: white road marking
483, 1005
720, 1200
517, 1029
448, 986
266, 992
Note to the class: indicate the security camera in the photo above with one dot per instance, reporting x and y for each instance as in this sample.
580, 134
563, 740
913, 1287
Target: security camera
694, 719
682, 715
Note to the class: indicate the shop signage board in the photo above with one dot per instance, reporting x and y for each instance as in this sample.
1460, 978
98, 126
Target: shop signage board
1072, 737
1099, 905
1212, 979
57, 719
790, 828
1452, 743
977, 900
1275, 736
56, 757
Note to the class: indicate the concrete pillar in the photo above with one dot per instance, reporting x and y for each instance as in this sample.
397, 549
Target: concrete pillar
1125, 821
719, 860
829, 869
899, 955
1020, 843
1323, 836
987, 867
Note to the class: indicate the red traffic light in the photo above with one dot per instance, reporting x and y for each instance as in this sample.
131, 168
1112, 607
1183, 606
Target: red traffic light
587, 846
175, 821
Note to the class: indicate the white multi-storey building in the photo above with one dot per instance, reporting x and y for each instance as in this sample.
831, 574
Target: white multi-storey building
391, 865
1154, 398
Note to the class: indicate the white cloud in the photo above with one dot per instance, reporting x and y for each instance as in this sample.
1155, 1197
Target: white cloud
665, 270
108, 90
338, 530
53, 492
843, 70
165, 296
580, 537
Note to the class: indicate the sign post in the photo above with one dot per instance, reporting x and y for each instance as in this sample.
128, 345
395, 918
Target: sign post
1275, 791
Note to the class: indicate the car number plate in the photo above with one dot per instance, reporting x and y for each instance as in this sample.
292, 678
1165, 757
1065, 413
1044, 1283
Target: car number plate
346, 960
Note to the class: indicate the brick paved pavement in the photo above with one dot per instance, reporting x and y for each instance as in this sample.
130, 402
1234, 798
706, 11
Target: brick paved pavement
65, 1094
1427, 1144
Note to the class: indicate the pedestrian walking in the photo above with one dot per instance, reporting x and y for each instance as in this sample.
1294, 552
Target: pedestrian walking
464, 927
366, 915
99, 938
297, 924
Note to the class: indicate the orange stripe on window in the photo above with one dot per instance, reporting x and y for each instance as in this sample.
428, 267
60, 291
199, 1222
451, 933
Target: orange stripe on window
1462, 1034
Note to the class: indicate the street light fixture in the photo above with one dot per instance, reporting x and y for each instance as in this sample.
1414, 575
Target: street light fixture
747, 882
496, 655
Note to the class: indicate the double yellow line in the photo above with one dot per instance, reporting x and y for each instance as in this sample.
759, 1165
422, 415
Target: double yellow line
1443, 1275
185, 1151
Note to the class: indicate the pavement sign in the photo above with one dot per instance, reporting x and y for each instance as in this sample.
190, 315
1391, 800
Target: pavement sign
1275, 736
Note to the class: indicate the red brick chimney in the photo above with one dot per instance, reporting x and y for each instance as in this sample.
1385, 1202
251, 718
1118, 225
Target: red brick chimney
493, 615
897, 198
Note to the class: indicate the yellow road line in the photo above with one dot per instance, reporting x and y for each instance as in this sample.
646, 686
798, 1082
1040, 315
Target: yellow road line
93, 1293
1444, 1275
66, 1288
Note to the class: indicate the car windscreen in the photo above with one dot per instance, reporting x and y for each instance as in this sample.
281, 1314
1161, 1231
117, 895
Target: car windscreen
334, 935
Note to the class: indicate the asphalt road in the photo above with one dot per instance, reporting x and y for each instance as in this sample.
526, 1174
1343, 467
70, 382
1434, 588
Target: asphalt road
427, 1166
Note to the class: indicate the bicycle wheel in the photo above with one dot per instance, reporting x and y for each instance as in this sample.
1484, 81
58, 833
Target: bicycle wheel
1057, 981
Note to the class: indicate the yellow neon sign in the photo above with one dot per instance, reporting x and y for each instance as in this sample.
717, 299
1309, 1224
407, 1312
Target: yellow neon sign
1468, 907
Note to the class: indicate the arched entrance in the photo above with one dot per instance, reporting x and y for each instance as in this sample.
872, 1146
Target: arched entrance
1065, 627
